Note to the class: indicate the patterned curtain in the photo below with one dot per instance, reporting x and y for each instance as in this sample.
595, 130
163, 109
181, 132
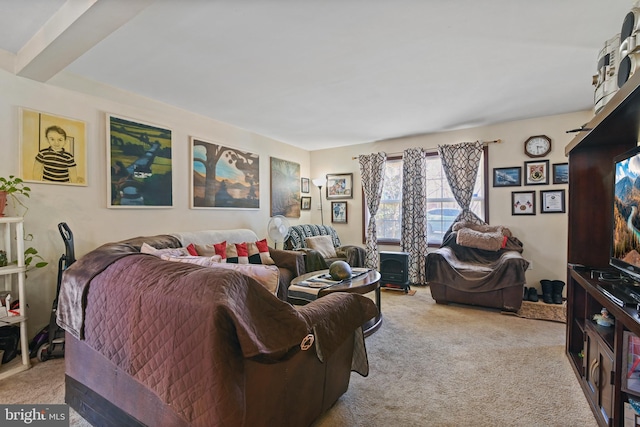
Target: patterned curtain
414, 207
460, 163
372, 172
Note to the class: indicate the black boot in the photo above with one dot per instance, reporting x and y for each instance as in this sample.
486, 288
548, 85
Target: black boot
558, 285
547, 291
533, 295
525, 295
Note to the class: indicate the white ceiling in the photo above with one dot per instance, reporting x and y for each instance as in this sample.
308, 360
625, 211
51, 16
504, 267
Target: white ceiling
319, 74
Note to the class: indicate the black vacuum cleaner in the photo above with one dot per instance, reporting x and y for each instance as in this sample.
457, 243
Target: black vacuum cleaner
49, 342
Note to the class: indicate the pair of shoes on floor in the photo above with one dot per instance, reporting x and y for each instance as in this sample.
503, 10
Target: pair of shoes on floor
530, 294
552, 291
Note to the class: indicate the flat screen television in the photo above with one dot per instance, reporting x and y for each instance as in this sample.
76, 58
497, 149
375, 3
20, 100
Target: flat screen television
625, 247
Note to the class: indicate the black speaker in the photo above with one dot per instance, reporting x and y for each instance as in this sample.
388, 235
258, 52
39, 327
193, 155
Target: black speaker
394, 270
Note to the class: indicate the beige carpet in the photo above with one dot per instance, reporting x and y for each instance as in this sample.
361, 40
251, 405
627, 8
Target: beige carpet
431, 365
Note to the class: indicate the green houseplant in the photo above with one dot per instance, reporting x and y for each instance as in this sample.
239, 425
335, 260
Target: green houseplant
14, 187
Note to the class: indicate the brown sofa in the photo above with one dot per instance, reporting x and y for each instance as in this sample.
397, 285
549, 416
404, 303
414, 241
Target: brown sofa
203, 346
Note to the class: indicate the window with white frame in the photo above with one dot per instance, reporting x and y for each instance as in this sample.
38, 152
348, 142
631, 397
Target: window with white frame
442, 208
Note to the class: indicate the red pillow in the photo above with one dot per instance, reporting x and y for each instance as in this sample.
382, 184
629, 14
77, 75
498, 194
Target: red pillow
221, 249
192, 250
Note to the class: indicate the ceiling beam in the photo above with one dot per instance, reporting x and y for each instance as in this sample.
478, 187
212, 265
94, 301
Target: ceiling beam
74, 29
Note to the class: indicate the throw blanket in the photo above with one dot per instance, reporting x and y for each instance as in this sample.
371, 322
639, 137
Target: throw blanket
188, 327
476, 270
481, 236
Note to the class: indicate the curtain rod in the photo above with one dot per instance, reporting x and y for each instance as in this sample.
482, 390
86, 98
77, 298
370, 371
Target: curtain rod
485, 143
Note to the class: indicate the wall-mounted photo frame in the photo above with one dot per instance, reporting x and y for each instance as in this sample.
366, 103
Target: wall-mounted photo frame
631, 363
507, 177
53, 149
304, 185
552, 201
139, 164
339, 186
560, 173
223, 177
536, 172
285, 188
305, 203
339, 212
523, 203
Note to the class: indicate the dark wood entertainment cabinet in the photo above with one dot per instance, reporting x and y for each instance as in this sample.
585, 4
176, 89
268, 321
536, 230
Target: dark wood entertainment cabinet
596, 352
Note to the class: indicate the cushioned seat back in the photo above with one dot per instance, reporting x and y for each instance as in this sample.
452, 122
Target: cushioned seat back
298, 234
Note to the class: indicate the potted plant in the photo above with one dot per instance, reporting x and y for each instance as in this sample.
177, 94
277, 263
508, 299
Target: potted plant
12, 186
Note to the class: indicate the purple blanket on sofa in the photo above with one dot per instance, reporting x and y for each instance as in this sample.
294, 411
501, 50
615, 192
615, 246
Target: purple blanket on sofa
183, 330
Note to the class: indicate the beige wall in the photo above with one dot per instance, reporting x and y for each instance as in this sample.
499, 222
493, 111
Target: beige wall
544, 235
84, 208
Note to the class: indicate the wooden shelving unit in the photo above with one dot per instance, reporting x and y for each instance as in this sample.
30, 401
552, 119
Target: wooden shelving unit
595, 352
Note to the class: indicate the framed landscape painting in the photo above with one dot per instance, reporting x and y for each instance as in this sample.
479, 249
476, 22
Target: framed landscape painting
53, 149
285, 188
223, 177
140, 165
507, 177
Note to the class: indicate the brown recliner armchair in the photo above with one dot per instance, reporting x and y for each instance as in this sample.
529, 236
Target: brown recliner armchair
478, 265
314, 260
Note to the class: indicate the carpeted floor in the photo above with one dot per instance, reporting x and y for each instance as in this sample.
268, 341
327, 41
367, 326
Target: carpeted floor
431, 365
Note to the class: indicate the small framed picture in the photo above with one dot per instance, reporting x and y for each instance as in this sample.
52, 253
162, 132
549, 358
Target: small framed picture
523, 203
305, 203
536, 172
507, 177
340, 186
561, 173
304, 185
552, 201
339, 212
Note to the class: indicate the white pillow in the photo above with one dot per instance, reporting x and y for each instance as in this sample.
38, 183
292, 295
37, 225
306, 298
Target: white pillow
267, 275
204, 261
148, 249
322, 244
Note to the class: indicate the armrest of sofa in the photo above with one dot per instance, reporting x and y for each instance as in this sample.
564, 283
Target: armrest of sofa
355, 255
291, 260
334, 317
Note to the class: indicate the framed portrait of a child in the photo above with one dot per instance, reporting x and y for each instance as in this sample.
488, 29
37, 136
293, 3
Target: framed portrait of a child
53, 149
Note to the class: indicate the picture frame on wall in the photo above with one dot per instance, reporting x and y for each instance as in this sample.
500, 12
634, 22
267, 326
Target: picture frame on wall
305, 203
304, 185
53, 149
523, 203
285, 188
339, 186
139, 163
536, 172
560, 173
339, 212
552, 201
507, 177
223, 177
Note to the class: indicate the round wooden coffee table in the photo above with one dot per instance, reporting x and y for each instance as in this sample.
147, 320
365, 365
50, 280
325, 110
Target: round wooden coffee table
362, 284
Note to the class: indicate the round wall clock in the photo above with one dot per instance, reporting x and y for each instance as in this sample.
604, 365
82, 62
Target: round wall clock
537, 146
